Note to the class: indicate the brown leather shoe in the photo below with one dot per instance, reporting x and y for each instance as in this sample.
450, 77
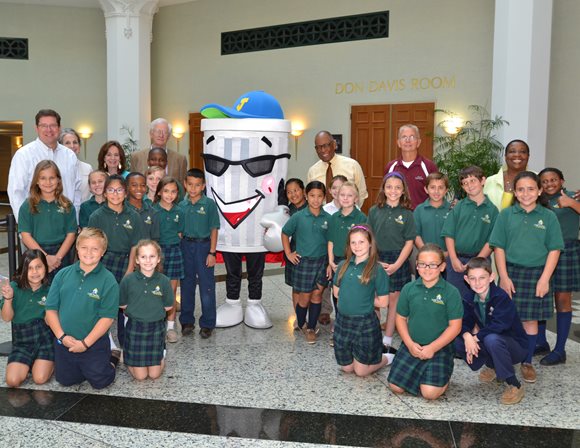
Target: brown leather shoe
528, 373
324, 319
311, 336
487, 375
512, 395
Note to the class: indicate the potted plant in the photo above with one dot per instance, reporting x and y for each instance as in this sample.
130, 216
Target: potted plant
475, 143
130, 144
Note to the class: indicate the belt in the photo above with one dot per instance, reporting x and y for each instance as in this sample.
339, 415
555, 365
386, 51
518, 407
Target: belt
196, 240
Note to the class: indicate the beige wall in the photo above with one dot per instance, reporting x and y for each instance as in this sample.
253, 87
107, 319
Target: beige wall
563, 146
66, 69
447, 39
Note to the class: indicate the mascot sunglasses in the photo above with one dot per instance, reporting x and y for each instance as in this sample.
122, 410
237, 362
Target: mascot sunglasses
255, 167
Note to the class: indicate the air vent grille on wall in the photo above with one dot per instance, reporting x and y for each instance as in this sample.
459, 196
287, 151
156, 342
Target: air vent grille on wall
315, 32
13, 48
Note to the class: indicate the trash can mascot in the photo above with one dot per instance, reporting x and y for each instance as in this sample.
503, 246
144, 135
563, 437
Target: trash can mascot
245, 153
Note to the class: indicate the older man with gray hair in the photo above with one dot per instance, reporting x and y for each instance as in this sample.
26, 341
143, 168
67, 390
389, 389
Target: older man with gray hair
160, 133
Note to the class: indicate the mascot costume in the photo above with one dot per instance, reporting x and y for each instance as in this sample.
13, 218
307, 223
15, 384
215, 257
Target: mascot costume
245, 152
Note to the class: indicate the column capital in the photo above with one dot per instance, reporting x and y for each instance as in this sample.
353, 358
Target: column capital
129, 8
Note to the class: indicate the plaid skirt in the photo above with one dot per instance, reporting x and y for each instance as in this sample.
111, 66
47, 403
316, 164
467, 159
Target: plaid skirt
288, 271
358, 337
31, 341
52, 249
172, 261
528, 305
403, 274
566, 277
116, 263
144, 343
409, 372
308, 273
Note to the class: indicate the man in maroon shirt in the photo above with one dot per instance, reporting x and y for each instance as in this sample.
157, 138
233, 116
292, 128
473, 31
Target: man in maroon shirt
414, 167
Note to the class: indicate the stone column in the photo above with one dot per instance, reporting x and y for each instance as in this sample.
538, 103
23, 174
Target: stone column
521, 72
129, 33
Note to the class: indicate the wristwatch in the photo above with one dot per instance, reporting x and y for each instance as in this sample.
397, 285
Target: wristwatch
59, 340
212, 253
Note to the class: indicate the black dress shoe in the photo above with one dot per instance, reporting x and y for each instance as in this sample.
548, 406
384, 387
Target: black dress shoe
205, 332
187, 329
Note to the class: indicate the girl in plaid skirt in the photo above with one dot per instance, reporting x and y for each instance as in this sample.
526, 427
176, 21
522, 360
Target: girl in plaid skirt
567, 273
23, 303
170, 233
527, 241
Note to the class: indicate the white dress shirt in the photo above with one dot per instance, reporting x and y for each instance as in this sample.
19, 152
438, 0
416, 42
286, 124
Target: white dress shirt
22, 168
83, 171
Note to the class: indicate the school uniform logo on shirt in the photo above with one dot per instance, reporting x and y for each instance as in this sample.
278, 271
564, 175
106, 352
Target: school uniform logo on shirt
438, 300
157, 291
540, 225
201, 211
176, 219
490, 311
148, 220
486, 219
399, 220
60, 209
324, 225
42, 301
128, 225
94, 294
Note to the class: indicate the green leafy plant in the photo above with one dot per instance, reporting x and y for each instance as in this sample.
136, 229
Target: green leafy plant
474, 144
130, 143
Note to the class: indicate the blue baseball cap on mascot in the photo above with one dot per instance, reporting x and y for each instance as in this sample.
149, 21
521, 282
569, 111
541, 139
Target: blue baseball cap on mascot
254, 104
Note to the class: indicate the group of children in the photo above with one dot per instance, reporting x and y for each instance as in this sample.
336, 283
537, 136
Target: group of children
453, 308
131, 253
128, 236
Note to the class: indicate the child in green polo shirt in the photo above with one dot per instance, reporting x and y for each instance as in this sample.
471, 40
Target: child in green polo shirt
429, 317
146, 295
152, 177
527, 241
97, 181
308, 227
468, 227
198, 246
23, 304
136, 191
47, 220
360, 283
567, 273
431, 214
391, 219
170, 231
80, 308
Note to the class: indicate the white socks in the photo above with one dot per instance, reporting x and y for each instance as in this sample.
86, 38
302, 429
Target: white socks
387, 340
170, 325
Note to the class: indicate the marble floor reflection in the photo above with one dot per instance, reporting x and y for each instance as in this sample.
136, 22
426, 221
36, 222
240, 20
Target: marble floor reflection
258, 388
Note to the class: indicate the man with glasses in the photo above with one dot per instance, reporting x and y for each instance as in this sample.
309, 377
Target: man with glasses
332, 164
413, 166
45, 147
160, 133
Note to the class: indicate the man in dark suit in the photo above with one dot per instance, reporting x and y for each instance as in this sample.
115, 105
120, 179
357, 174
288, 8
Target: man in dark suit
160, 132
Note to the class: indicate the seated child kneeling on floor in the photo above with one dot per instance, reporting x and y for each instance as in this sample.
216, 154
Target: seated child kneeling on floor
360, 283
80, 308
492, 334
429, 315
145, 296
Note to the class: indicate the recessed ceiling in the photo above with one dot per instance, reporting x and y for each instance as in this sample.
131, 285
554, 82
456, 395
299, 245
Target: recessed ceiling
80, 3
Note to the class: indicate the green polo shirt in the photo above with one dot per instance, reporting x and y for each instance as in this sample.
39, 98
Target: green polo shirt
123, 230
309, 231
481, 306
354, 298
429, 310
527, 237
199, 218
146, 297
470, 225
82, 299
27, 304
149, 220
568, 218
50, 225
429, 221
86, 210
293, 209
392, 226
171, 224
339, 226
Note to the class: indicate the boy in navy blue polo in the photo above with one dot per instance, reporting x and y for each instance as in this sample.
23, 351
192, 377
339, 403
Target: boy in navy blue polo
81, 306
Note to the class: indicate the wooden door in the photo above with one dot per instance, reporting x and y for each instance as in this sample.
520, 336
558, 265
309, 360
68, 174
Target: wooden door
195, 140
373, 138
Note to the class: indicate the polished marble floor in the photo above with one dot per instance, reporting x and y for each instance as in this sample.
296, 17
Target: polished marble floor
264, 388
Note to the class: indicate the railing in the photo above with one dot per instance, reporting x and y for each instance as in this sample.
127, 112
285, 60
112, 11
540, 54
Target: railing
13, 247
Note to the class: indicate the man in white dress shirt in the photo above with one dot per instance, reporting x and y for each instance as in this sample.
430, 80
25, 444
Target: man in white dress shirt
45, 147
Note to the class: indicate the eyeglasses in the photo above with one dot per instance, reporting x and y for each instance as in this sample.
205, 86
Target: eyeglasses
408, 138
115, 190
160, 132
324, 146
255, 167
48, 126
428, 265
